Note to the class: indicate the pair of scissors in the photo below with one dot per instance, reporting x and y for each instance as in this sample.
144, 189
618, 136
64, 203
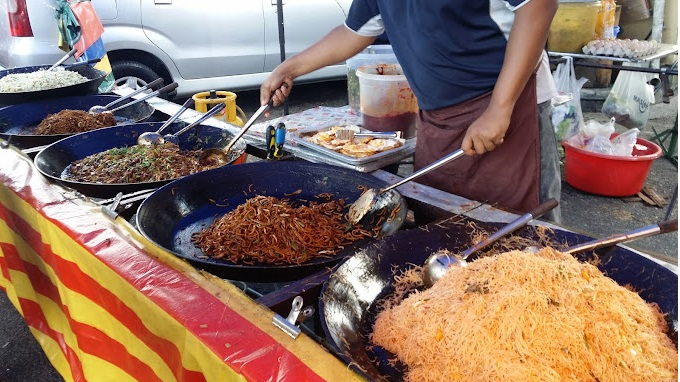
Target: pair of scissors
276, 136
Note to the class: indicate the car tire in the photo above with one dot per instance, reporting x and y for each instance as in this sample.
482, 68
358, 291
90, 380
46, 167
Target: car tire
135, 74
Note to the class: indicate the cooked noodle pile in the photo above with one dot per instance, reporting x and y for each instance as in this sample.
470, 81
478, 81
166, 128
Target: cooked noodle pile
137, 164
74, 121
266, 229
40, 80
526, 317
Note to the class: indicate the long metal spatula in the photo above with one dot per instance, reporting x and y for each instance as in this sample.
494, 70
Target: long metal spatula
638, 233
222, 155
367, 200
165, 89
96, 109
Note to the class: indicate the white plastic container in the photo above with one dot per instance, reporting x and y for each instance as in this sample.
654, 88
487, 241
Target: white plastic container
374, 54
386, 100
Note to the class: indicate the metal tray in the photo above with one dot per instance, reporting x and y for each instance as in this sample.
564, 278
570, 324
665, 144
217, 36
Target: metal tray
297, 137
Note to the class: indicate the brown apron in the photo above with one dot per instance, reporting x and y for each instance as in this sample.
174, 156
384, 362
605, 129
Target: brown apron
508, 175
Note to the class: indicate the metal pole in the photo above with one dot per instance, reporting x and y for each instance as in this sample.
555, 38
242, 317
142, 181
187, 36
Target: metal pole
282, 43
666, 71
657, 25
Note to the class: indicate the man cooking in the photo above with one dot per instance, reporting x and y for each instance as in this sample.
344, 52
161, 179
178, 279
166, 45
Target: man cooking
471, 65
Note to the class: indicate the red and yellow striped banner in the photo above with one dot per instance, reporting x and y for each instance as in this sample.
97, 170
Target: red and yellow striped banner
107, 305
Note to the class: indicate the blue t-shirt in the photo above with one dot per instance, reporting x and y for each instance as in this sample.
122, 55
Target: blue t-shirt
450, 50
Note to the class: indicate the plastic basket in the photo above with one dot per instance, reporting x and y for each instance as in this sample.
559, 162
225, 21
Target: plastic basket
610, 175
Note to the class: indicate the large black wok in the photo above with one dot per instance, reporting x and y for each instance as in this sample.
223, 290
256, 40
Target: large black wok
348, 301
173, 212
53, 160
18, 123
94, 78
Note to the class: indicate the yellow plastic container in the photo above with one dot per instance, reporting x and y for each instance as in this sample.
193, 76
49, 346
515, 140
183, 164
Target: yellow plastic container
204, 101
573, 26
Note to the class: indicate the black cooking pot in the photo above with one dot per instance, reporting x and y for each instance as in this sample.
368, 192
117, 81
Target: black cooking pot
53, 160
177, 210
94, 78
19, 122
348, 299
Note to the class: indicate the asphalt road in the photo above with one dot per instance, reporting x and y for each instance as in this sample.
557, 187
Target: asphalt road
22, 359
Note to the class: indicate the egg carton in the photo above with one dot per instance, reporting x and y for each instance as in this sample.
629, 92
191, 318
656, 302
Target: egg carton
625, 48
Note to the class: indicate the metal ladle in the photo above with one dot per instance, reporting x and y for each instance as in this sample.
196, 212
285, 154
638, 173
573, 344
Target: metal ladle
154, 137
368, 202
63, 59
221, 156
439, 263
98, 109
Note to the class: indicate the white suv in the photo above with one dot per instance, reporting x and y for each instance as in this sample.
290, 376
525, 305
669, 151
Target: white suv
200, 44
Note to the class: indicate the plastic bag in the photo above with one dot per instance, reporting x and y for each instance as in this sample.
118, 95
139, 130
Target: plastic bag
630, 99
590, 130
601, 145
567, 117
625, 143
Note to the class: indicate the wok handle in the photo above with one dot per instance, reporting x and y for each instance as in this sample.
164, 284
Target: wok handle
164, 89
454, 155
150, 85
512, 227
639, 233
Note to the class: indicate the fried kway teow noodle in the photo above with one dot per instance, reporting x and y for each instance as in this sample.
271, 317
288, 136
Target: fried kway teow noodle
518, 316
271, 230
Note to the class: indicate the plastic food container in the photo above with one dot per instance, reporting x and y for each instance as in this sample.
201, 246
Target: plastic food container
573, 26
386, 100
374, 54
610, 175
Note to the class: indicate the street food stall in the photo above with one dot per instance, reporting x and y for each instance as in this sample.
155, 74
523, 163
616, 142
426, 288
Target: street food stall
106, 293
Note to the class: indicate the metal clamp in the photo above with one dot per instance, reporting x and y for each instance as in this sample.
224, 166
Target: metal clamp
297, 314
110, 210
113, 206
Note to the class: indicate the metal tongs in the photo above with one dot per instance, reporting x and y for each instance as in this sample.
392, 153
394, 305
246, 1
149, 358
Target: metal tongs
349, 134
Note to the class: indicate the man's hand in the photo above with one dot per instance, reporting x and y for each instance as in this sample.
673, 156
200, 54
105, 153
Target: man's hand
276, 87
486, 133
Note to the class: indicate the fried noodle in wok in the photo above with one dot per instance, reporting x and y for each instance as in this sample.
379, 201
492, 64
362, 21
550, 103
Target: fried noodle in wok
518, 316
74, 121
269, 230
137, 164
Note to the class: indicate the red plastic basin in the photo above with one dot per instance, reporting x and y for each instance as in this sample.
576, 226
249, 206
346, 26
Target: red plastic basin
610, 175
